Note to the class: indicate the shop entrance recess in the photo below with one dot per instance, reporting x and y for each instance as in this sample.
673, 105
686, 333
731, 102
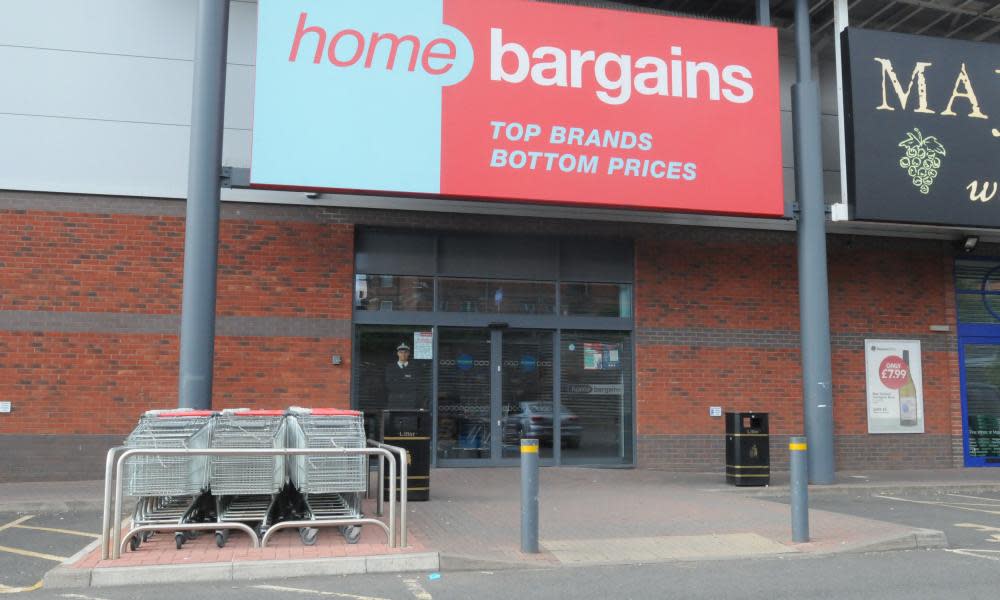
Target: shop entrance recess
978, 289
501, 337
495, 386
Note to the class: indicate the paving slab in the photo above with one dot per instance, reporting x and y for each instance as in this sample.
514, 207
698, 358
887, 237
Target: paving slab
663, 548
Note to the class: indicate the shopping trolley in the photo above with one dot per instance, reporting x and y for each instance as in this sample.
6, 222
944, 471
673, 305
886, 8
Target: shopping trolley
245, 488
171, 489
331, 487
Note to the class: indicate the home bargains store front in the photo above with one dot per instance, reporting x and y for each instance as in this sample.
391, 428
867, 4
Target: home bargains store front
598, 326
503, 337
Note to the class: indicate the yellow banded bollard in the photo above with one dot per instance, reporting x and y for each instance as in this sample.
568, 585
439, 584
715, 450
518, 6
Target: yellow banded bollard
799, 463
529, 496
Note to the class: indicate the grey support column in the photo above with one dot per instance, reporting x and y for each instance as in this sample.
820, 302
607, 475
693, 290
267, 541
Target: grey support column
814, 302
764, 12
201, 230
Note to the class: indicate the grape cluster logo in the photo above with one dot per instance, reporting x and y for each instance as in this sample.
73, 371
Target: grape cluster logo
922, 159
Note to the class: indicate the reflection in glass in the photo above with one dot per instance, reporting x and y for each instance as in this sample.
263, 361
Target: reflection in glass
463, 393
596, 389
978, 285
496, 296
982, 389
393, 292
596, 300
526, 385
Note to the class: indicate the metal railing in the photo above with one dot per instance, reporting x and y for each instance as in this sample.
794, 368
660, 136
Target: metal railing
113, 481
404, 484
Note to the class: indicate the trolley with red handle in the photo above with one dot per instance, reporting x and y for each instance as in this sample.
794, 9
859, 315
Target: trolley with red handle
331, 486
246, 487
171, 489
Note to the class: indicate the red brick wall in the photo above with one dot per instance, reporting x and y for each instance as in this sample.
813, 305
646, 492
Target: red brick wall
94, 383
90, 263
893, 288
276, 268
734, 285
278, 372
708, 290
99, 382
716, 322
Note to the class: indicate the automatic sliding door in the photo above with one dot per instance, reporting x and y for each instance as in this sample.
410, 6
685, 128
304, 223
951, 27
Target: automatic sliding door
526, 406
464, 407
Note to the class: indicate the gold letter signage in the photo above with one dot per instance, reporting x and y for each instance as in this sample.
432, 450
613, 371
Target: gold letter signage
922, 129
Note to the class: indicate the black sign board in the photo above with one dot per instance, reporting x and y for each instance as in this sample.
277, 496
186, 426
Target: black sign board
923, 129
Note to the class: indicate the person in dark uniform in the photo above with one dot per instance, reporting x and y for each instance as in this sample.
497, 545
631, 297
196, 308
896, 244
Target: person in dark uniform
403, 381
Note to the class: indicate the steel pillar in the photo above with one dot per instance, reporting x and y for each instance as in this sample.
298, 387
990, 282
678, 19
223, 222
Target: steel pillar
201, 229
764, 12
814, 302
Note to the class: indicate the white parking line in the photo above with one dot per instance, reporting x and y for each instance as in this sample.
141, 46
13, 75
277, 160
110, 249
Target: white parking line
993, 531
80, 597
947, 504
990, 500
973, 552
417, 590
278, 588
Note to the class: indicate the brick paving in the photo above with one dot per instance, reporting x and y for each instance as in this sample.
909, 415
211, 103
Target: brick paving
160, 549
586, 516
474, 514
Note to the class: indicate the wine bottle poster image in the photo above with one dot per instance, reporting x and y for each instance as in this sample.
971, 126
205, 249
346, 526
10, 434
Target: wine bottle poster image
895, 386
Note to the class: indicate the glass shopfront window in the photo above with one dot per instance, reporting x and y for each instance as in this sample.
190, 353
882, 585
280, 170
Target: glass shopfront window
982, 400
977, 285
498, 296
393, 292
596, 397
596, 300
389, 375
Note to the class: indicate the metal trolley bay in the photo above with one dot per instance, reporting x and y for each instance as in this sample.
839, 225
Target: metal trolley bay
330, 487
246, 487
171, 489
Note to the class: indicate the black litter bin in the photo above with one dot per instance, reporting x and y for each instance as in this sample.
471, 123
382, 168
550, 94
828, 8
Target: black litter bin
748, 455
410, 430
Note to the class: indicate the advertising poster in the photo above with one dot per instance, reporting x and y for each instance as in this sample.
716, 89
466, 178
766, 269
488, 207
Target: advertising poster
597, 356
895, 386
491, 101
423, 345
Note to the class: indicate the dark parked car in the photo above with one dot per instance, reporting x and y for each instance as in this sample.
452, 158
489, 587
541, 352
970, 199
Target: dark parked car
534, 421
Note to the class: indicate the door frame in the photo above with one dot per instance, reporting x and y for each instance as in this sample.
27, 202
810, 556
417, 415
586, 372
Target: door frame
495, 332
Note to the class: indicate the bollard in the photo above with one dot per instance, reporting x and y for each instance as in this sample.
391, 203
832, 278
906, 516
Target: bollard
799, 458
529, 496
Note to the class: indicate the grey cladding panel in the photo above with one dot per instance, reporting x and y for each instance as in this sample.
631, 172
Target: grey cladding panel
597, 260
498, 257
394, 253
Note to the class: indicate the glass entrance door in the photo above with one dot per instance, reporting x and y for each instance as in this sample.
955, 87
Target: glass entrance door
494, 386
981, 401
464, 395
527, 409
